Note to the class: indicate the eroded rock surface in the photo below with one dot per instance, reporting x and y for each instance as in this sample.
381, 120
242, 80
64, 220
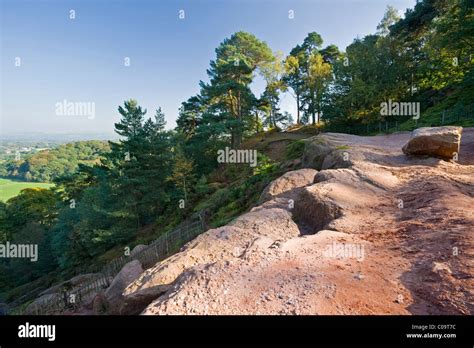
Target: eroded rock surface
372, 234
363, 229
285, 185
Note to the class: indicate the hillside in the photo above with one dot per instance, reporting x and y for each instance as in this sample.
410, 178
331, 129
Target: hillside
224, 194
232, 189
354, 226
274, 259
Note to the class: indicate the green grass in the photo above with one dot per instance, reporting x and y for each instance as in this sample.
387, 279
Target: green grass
10, 188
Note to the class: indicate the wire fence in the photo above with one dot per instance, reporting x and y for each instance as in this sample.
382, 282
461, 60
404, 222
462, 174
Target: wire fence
166, 245
394, 124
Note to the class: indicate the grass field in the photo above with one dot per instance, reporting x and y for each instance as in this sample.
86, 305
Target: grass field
10, 188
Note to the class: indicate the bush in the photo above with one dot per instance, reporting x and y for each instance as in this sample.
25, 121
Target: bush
295, 149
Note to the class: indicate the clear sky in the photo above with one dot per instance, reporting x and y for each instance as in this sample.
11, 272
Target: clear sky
82, 59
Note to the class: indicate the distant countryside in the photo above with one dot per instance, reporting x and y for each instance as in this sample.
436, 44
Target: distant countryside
10, 188
37, 164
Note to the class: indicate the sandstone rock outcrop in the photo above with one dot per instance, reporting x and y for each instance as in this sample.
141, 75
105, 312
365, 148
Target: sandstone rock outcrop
284, 186
221, 244
356, 241
135, 302
368, 228
440, 142
316, 208
327, 151
113, 295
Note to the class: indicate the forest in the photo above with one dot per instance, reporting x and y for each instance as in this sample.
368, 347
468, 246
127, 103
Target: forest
123, 192
47, 165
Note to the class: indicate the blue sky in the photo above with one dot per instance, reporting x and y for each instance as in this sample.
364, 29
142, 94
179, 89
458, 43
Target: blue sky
82, 60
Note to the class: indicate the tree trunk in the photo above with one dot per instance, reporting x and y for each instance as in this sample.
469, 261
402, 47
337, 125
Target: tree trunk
297, 108
184, 189
272, 114
238, 139
256, 120
317, 105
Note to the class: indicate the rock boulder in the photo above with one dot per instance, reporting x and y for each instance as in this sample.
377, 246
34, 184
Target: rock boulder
441, 142
135, 302
130, 272
328, 151
287, 182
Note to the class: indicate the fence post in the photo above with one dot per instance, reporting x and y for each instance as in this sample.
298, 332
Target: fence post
156, 250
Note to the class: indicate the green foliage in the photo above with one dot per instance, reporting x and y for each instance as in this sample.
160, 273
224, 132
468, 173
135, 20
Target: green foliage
424, 57
182, 175
265, 166
48, 165
309, 73
225, 108
127, 190
27, 219
228, 203
295, 149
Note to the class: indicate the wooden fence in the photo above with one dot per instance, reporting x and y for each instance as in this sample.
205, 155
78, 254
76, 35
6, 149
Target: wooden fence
166, 245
